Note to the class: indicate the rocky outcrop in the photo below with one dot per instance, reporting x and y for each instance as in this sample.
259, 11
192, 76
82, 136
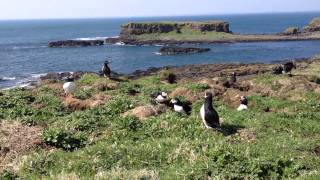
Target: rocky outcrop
218, 26
313, 26
147, 28
291, 31
76, 43
163, 27
58, 76
181, 50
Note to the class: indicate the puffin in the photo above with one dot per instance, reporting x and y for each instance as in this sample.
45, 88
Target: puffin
243, 103
288, 66
161, 98
208, 114
69, 86
106, 70
234, 77
277, 69
181, 107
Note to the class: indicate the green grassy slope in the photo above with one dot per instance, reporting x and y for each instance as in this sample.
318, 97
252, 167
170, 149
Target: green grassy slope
101, 143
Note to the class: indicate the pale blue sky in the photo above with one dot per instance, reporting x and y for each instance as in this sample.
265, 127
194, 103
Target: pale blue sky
42, 9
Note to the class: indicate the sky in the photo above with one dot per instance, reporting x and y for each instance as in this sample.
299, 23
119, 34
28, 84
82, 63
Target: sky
53, 9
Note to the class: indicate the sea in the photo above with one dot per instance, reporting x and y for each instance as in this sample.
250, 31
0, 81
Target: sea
25, 56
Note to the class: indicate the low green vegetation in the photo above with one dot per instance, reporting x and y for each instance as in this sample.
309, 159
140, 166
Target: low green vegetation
186, 35
101, 143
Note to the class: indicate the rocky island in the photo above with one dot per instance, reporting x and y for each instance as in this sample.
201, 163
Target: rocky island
181, 50
204, 32
76, 43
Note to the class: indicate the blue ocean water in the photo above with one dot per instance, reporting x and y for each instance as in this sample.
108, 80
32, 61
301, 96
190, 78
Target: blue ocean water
24, 54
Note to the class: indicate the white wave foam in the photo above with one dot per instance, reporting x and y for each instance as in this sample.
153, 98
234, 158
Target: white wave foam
158, 45
91, 38
37, 76
27, 47
7, 78
158, 53
120, 43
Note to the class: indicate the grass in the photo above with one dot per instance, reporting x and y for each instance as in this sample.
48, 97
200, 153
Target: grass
101, 143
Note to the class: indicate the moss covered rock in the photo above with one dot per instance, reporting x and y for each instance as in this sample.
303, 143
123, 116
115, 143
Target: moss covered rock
291, 31
313, 26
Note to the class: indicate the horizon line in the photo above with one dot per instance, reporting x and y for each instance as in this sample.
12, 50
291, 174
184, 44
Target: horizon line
160, 16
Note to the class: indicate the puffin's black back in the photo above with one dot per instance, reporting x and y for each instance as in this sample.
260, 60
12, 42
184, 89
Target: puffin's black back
185, 105
234, 77
106, 70
211, 115
244, 101
288, 66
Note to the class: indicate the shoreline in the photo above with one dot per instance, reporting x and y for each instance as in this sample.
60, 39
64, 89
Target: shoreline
247, 38
192, 71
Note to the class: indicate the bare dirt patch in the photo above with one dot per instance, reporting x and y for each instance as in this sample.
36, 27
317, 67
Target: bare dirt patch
143, 112
80, 105
192, 97
17, 140
247, 135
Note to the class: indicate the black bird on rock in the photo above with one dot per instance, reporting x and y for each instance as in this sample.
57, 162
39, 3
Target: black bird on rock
288, 66
106, 70
208, 114
284, 68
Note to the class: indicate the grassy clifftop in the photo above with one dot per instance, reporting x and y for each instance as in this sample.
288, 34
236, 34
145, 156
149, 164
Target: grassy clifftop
95, 133
132, 29
203, 32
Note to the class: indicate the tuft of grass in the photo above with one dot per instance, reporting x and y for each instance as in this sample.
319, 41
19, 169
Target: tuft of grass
167, 76
196, 87
84, 94
88, 79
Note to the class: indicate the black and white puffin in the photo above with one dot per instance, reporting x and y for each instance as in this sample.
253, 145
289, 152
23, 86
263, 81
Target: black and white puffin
288, 66
208, 114
234, 77
181, 107
161, 98
106, 70
243, 103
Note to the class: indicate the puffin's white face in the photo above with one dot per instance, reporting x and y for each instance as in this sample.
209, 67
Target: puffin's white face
174, 101
242, 98
164, 94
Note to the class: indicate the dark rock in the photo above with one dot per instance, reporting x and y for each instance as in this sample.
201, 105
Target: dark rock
181, 50
63, 75
291, 31
317, 150
313, 26
76, 43
113, 40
